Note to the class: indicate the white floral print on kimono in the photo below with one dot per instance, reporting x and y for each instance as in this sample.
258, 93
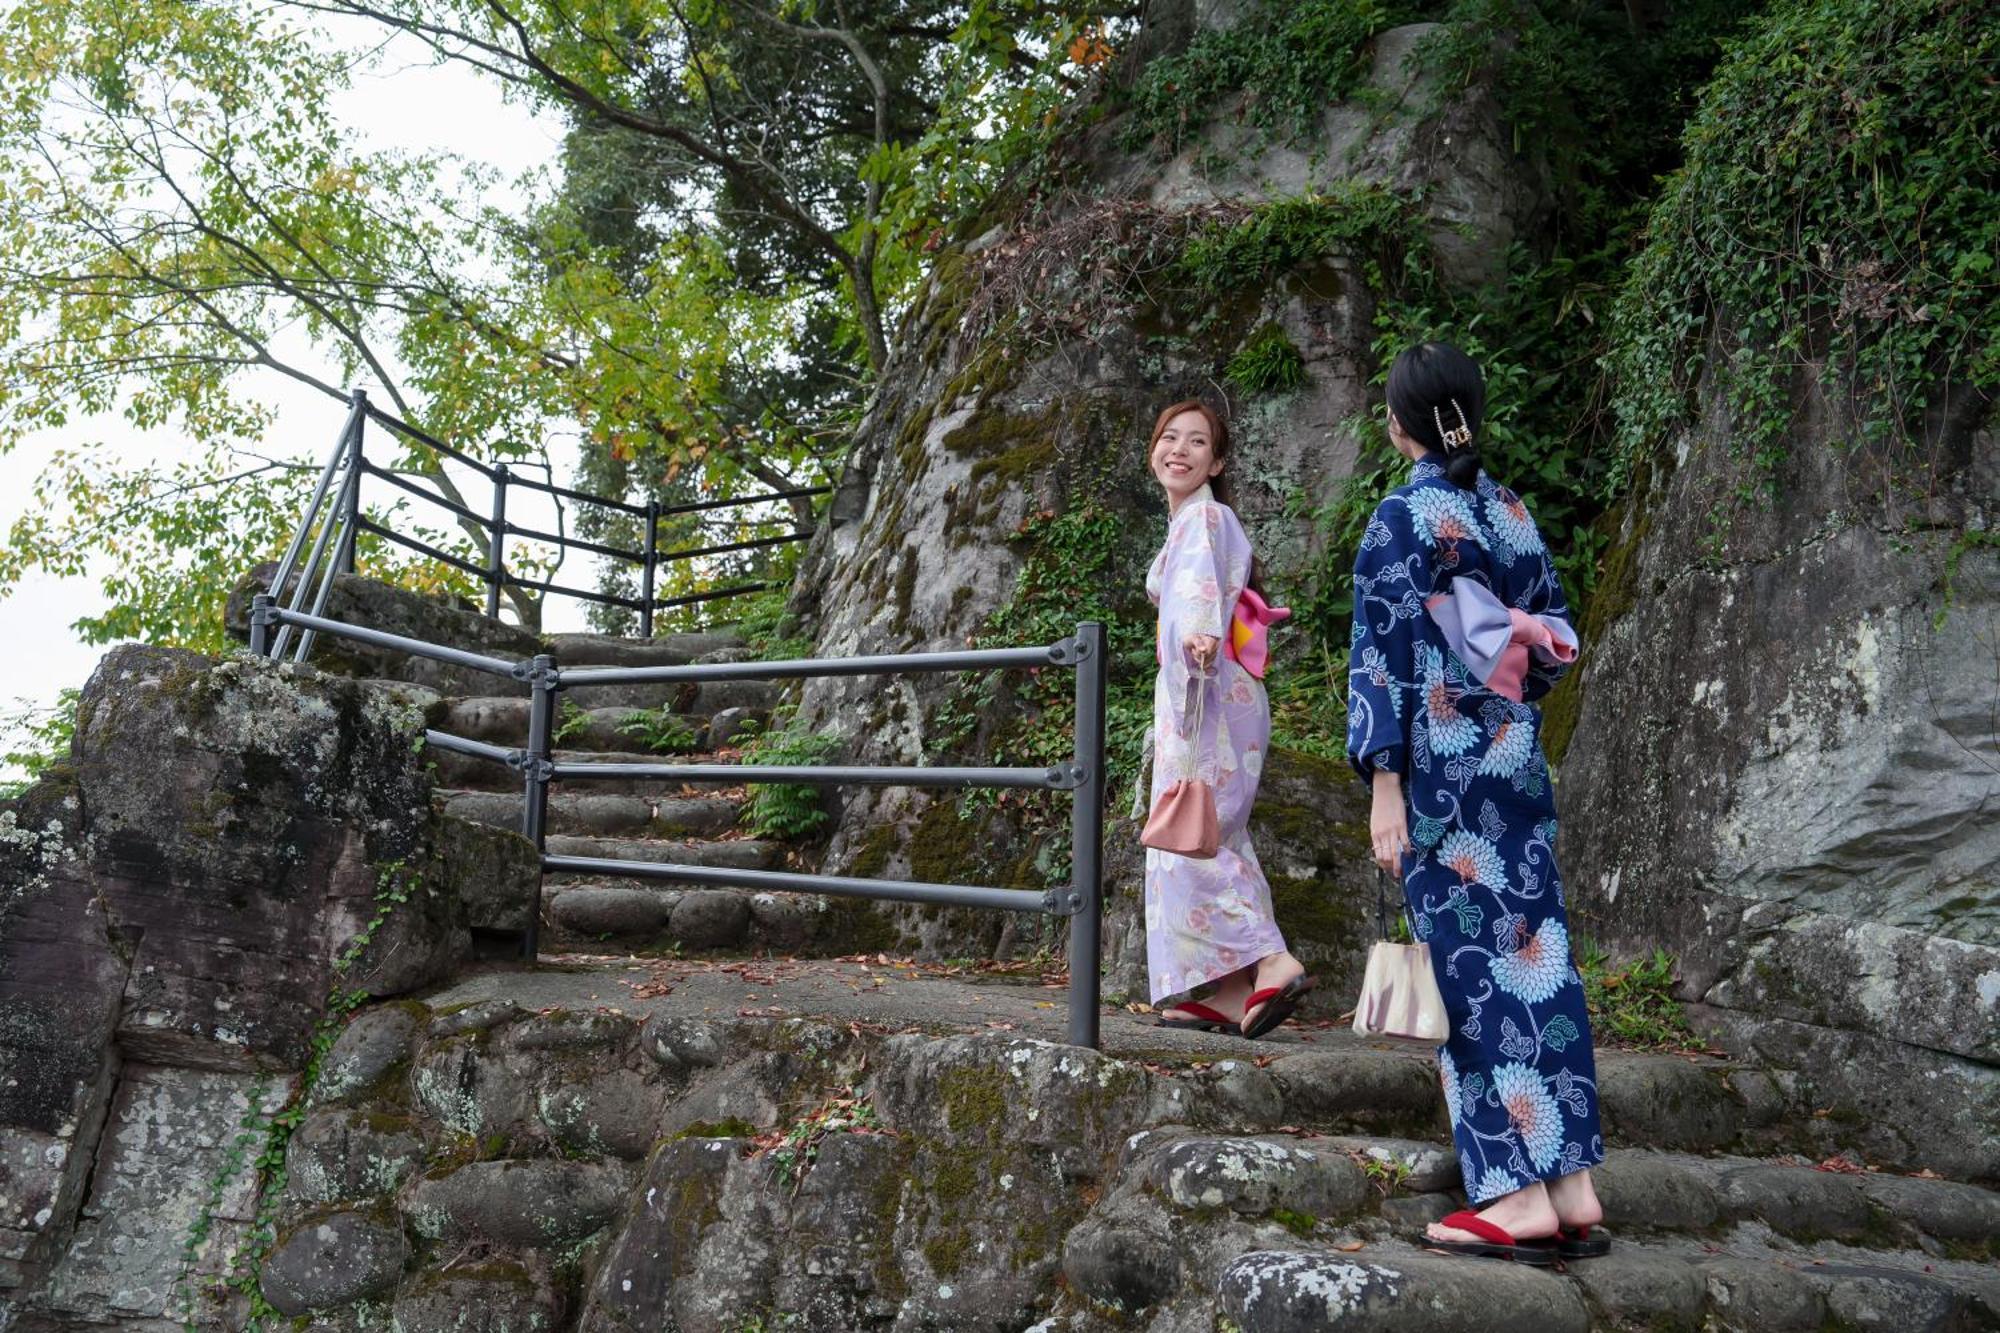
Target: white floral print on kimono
1206, 918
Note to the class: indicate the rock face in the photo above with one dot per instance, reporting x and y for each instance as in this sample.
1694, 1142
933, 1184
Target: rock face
980, 445
177, 906
1809, 819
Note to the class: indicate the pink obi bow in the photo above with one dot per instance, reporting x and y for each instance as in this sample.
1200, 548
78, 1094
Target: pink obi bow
1494, 640
1247, 642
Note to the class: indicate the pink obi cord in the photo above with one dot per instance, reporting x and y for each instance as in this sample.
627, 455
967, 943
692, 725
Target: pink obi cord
1248, 641
1495, 641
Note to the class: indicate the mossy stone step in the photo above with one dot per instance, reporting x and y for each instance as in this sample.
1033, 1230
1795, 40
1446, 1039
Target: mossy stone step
595, 813
456, 771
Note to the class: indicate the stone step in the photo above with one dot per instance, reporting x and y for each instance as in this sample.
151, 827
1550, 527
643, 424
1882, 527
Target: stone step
1412, 1182
733, 854
596, 813
660, 650
644, 917
457, 771
733, 710
696, 698
1392, 1285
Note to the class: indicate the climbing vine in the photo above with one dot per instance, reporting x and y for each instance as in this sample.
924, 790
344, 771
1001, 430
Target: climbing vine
1837, 218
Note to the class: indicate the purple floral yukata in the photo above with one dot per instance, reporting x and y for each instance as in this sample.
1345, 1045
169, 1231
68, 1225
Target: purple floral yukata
1206, 918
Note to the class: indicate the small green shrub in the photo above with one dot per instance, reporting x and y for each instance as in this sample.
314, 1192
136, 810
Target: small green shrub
571, 721
781, 809
1293, 58
1366, 220
660, 731
1632, 1004
1268, 363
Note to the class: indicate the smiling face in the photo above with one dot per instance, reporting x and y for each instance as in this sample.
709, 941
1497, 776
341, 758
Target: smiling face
1184, 455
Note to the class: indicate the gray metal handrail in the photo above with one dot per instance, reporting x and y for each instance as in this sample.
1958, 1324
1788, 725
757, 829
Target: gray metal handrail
1083, 777
494, 573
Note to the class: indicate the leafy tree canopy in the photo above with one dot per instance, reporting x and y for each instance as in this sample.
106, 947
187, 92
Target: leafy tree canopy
745, 194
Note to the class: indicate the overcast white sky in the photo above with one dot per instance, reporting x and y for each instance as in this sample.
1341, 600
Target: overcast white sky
399, 102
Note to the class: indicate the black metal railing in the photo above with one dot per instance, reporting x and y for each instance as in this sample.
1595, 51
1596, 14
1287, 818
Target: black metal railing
323, 545
1083, 776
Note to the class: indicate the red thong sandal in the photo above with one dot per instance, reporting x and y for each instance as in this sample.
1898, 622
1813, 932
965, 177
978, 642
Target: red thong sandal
1205, 1019
1279, 1004
1574, 1243
1493, 1242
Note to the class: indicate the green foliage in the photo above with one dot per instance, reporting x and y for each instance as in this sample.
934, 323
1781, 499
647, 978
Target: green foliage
1358, 218
1838, 215
1268, 363
1632, 1004
660, 731
780, 809
846, 1112
1293, 58
572, 720
770, 631
1076, 571
37, 737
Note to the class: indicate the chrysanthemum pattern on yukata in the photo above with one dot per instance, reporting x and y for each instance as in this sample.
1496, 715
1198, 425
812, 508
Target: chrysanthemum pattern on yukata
1481, 882
1206, 918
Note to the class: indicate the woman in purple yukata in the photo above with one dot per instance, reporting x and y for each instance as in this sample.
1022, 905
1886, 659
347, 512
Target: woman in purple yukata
1459, 627
1208, 921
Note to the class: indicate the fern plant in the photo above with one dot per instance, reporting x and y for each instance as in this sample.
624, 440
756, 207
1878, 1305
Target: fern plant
660, 731
784, 809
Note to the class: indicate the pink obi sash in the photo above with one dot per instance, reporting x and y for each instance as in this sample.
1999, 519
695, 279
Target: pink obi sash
1248, 642
1494, 640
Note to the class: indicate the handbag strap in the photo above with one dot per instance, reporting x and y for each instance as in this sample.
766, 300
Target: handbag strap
1382, 905
1190, 763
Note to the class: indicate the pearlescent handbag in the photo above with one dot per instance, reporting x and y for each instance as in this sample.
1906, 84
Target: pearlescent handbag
1400, 999
1183, 820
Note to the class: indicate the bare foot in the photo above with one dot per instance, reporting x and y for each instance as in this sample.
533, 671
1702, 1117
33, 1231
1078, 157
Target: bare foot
1526, 1214
1273, 971
1575, 1201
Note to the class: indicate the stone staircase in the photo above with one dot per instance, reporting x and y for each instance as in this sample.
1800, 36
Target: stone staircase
638, 819
674, 1155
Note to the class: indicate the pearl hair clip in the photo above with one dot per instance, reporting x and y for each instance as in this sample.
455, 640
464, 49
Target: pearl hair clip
1453, 439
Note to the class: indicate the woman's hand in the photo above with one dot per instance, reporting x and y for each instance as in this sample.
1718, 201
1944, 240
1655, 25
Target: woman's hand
1388, 826
1203, 648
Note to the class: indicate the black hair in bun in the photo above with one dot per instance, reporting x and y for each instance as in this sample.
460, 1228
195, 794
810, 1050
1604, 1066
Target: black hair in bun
1439, 397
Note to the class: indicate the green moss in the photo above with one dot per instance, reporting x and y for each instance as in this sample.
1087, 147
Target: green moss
1613, 595
906, 588
857, 925
944, 847
1299, 1224
947, 1252
1312, 912
871, 858
975, 1101
954, 1176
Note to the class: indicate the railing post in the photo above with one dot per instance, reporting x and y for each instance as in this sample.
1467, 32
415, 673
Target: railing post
1086, 851
344, 557
496, 545
652, 563
260, 625
535, 793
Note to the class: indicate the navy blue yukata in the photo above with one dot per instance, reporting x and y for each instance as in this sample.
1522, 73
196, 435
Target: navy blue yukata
1480, 879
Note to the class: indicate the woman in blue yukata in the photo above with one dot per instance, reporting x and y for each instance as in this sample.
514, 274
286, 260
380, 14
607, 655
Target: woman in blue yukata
1459, 627
1209, 924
